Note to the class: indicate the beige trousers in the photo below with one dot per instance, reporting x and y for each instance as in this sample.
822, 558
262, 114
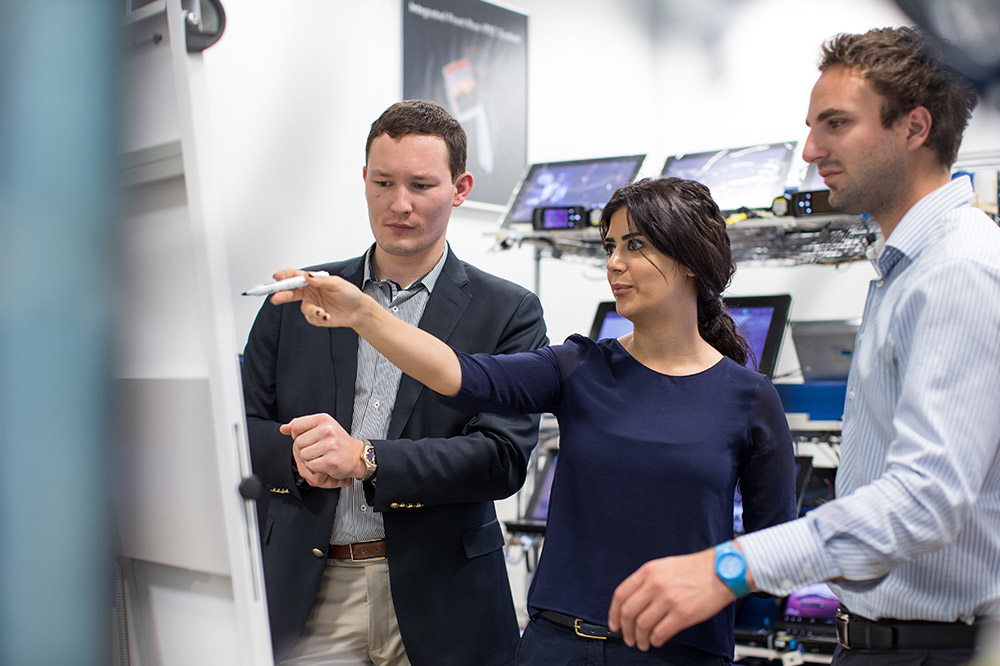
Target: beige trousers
353, 620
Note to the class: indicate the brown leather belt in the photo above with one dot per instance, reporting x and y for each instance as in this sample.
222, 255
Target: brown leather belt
357, 552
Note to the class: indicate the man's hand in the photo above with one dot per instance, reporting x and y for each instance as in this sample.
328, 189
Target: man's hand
325, 455
665, 596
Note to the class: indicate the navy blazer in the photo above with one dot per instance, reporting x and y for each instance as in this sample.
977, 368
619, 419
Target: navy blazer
439, 470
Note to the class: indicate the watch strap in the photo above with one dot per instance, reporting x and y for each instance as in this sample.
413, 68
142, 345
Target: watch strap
737, 583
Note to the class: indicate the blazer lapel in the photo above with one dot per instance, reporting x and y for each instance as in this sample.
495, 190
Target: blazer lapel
444, 310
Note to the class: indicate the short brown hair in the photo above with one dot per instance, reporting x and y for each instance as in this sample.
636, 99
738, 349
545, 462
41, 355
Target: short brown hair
414, 116
908, 71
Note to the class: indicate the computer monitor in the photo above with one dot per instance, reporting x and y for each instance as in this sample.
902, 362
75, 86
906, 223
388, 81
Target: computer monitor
588, 183
761, 320
537, 510
750, 177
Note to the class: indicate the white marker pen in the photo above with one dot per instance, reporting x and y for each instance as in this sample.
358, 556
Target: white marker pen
282, 285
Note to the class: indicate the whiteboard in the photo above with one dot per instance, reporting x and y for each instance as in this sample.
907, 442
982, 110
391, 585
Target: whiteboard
190, 576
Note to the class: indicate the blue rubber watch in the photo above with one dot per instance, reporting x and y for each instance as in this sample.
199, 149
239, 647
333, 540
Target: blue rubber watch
731, 567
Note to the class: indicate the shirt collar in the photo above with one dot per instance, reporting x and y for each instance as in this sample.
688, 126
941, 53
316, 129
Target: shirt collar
874, 254
428, 280
922, 224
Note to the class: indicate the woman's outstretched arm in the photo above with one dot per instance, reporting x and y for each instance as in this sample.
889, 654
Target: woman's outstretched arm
334, 302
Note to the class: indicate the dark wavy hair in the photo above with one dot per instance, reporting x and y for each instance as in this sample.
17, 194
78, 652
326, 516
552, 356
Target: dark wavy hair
416, 116
681, 220
906, 68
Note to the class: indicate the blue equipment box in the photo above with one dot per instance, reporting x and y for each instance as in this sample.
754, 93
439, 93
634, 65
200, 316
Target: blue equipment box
822, 401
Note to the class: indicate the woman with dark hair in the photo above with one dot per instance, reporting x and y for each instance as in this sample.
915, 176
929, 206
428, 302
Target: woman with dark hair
656, 427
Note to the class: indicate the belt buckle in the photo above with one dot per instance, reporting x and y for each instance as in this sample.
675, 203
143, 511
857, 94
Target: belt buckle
576, 630
842, 621
374, 558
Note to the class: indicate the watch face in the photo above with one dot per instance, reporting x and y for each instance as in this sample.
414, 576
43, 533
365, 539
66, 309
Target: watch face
730, 565
370, 455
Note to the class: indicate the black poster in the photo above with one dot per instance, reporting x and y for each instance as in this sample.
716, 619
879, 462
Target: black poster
472, 58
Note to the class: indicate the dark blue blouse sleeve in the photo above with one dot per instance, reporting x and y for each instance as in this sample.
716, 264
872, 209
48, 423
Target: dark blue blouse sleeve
767, 469
527, 382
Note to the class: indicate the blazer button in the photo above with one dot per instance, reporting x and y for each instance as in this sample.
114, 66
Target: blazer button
318, 553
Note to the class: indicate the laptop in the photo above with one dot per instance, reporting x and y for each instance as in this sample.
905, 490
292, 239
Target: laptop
824, 348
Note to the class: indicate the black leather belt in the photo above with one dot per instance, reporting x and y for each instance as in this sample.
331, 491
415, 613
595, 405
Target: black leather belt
855, 632
579, 627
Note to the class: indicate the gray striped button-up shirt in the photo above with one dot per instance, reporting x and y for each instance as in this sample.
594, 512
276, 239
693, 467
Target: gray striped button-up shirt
375, 395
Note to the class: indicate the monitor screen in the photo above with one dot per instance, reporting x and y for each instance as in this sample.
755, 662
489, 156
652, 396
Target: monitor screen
535, 515
589, 183
761, 320
810, 613
749, 177
538, 506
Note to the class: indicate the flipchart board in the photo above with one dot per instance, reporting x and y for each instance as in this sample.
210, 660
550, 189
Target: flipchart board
189, 586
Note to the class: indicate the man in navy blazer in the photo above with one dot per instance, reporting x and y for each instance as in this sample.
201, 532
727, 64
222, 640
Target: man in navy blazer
422, 474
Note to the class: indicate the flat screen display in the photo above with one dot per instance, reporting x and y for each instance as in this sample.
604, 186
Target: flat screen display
588, 183
761, 320
749, 177
535, 516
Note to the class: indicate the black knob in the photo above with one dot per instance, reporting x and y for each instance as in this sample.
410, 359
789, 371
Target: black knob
251, 487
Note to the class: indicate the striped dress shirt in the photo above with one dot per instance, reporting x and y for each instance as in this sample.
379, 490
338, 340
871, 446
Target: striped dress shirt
375, 396
914, 533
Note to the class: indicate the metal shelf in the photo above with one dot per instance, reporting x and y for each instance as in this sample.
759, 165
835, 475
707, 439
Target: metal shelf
786, 241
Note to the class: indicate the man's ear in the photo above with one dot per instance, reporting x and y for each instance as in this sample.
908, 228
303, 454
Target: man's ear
463, 185
918, 127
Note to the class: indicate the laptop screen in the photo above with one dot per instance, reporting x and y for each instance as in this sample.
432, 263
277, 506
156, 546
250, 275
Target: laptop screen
761, 320
749, 177
588, 183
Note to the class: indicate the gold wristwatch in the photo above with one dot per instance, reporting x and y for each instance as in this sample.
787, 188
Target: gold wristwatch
368, 458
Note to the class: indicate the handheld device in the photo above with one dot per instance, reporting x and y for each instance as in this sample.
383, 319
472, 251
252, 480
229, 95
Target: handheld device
560, 217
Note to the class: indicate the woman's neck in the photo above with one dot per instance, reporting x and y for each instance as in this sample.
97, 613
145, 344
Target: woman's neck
671, 348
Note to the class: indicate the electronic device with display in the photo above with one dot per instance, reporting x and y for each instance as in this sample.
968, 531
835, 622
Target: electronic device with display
750, 177
816, 202
761, 320
586, 183
560, 217
808, 618
825, 348
537, 511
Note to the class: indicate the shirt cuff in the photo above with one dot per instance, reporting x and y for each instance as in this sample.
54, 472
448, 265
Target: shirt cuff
783, 558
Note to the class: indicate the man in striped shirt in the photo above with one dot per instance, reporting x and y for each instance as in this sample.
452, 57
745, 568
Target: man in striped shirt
911, 545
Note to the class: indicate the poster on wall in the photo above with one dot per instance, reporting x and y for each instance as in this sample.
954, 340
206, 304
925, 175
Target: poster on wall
472, 58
